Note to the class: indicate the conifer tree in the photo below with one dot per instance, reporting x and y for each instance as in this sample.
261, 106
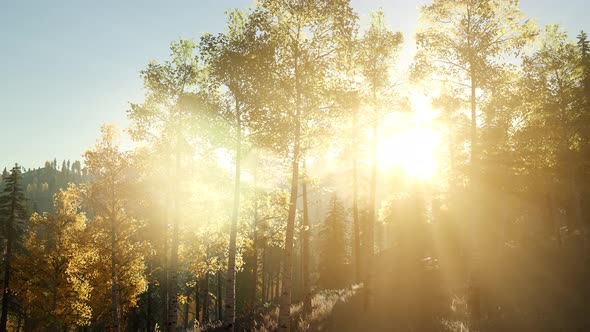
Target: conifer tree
13, 215
333, 253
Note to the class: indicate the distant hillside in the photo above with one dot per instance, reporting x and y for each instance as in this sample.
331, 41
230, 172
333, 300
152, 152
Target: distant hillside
42, 183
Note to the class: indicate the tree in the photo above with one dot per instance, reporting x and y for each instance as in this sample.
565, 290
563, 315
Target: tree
54, 272
307, 36
551, 86
333, 255
463, 43
167, 121
377, 51
13, 214
234, 62
114, 231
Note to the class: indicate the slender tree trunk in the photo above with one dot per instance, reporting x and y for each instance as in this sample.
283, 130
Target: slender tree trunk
230, 302
253, 299
7, 265
305, 245
368, 298
355, 209
19, 321
115, 302
173, 282
271, 287
206, 299
277, 293
5, 288
264, 274
285, 304
173, 270
149, 304
186, 310
197, 301
165, 282
474, 284
219, 300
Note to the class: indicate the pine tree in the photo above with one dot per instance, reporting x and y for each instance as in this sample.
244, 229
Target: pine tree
333, 254
13, 215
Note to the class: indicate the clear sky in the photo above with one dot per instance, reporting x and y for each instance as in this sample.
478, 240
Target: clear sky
67, 66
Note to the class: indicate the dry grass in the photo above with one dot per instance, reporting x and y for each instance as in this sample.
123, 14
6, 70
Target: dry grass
322, 305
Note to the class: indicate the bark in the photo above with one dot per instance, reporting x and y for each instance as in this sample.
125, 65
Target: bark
206, 299
474, 287
114, 300
277, 285
7, 265
197, 302
173, 269
305, 245
355, 211
230, 302
5, 288
253, 301
219, 297
19, 321
164, 289
186, 310
149, 305
369, 246
264, 274
253, 296
285, 304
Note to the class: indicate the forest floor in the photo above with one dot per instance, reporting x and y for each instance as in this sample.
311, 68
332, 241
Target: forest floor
519, 293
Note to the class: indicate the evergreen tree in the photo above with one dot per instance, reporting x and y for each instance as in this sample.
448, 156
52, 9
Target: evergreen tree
13, 215
333, 253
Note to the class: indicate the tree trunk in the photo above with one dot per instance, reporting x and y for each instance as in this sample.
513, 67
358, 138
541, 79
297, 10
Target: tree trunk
369, 246
19, 321
474, 297
149, 304
173, 270
206, 299
197, 301
7, 266
186, 310
305, 245
355, 210
277, 284
264, 274
230, 302
5, 288
164, 282
114, 301
253, 300
285, 304
219, 300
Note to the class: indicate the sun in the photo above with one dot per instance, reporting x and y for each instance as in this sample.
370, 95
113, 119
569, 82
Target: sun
410, 141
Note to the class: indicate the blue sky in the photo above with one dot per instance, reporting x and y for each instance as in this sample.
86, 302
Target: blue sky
67, 66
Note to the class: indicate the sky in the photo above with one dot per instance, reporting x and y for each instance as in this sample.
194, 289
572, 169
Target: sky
68, 66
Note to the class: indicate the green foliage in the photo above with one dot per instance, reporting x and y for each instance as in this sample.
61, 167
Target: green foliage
12, 204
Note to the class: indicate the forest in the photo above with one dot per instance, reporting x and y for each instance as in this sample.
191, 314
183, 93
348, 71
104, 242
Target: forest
291, 174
